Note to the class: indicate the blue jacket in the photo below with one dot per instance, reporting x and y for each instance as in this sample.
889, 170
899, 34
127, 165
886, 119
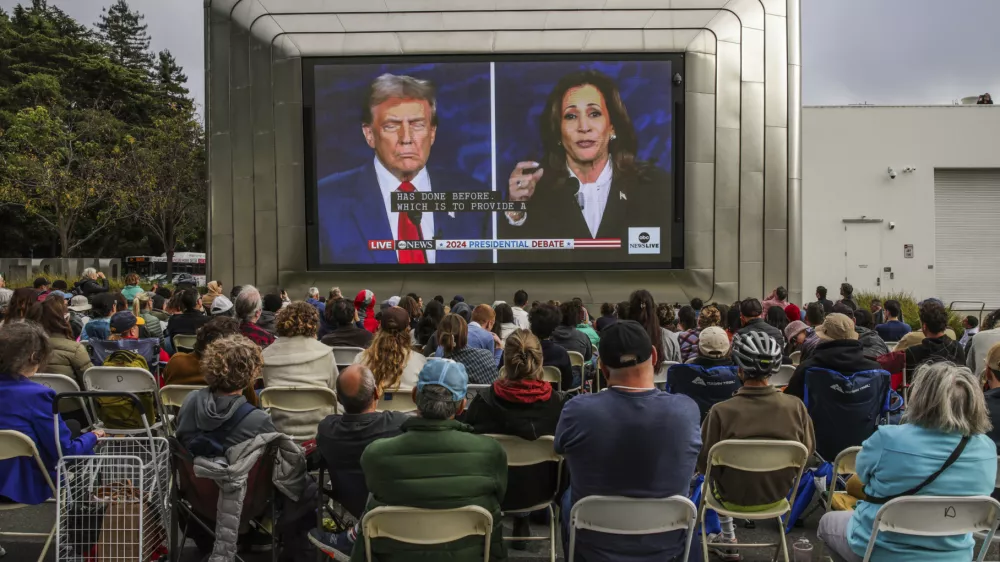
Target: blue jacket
893, 330
899, 457
20, 479
350, 212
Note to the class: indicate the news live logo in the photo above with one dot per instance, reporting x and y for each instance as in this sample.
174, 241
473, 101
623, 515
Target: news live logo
644, 240
401, 245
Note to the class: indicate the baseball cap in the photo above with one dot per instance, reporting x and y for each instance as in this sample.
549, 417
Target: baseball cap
713, 342
395, 319
993, 359
837, 326
625, 344
79, 303
122, 322
794, 329
221, 304
793, 313
446, 373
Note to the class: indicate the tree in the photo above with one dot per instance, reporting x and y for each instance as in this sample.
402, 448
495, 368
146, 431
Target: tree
62, 171
171, 79
123, 32
170, 187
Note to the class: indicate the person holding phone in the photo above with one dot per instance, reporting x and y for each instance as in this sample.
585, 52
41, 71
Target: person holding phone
590, 182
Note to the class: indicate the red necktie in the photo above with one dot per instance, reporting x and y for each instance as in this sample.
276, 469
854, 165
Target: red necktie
407, 230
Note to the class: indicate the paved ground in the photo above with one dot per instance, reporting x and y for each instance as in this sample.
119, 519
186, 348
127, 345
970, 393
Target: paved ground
39, 519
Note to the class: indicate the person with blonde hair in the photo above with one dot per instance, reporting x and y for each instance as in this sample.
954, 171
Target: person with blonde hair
142, 307
297, 358
453, 341
390, 355
941, 449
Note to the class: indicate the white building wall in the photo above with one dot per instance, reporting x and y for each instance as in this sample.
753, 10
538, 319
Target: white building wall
846, 154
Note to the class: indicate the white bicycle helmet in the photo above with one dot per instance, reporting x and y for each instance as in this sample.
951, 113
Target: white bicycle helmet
757, 353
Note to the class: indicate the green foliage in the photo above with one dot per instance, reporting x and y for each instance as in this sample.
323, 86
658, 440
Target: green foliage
911, 312
125, 35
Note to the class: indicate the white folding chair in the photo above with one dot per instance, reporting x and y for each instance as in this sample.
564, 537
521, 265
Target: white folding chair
783, 375
845, 463
172, 396
124, 379
344, 356
399, 400
632, 516
753, 455
660, 376
937, 516
520, 453
552, 375
576, 360
298, 400
184, 343
427, 526
60, 384
982, 536
796, 357
14, 444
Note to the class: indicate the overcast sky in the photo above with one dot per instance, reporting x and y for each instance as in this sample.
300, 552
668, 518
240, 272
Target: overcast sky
884, 52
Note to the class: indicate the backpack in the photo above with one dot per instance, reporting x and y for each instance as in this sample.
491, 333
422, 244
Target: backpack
119, 412
845, 410
211, 443
707, 387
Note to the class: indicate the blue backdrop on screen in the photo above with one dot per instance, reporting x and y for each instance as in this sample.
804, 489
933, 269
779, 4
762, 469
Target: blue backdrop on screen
463, 108
523, 87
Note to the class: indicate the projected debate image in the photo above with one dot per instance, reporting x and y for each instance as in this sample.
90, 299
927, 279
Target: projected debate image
497, 164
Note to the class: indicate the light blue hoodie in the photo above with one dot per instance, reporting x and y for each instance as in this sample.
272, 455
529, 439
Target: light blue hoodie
897, 458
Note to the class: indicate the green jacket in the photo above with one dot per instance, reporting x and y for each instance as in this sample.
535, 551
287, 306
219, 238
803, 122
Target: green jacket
435, 464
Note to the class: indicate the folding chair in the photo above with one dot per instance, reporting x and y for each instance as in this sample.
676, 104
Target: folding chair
427, 526
523, 453
552, 375
172, 397
937, 516
14, 444
297, 400
344, 356
982, 536
633, 516
184, 343
660, 376
783, 376
124, 379
60, 384
796, 358
576, 360
753, 455
399, 400
843, 464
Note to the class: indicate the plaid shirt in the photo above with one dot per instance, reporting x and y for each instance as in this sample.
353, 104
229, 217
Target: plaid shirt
258, 335
689, 344
479, 364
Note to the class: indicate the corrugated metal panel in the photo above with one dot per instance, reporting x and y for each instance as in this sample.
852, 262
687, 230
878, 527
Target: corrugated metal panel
967, 207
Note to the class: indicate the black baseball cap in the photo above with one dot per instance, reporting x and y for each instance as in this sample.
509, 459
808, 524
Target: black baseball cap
625, 344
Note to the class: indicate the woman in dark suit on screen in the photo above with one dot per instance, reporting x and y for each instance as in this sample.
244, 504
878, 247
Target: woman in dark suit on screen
589, 183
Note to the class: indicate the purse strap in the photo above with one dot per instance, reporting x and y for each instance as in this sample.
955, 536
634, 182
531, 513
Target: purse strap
912, 491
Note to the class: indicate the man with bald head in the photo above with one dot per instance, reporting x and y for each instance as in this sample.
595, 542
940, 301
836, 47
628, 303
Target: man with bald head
342, 438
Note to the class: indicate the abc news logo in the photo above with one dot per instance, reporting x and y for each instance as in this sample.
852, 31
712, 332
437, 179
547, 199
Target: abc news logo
644, 240
401, 245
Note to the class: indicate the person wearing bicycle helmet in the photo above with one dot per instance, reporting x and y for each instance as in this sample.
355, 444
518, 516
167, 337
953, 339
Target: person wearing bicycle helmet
756, 411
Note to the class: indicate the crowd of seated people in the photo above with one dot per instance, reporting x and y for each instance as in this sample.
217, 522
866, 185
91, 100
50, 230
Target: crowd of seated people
613, 442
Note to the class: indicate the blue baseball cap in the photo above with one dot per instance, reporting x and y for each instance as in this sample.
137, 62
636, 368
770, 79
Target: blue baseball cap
446, 373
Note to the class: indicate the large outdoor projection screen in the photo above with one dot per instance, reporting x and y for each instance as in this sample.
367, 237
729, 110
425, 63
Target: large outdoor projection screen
502, 162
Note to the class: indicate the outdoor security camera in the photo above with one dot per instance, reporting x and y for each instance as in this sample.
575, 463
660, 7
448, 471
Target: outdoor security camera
892, 226
892, 174
678, 79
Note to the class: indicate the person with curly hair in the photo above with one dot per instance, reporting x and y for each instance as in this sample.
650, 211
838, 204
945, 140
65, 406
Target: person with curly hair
666, 316
185, 368
230, 364
297, 358
390, 356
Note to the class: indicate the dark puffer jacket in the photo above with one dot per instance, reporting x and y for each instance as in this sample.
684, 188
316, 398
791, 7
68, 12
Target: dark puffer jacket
872, 344
844, 356
89, 287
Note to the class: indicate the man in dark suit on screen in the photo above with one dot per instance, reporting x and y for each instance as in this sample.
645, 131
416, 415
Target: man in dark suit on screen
399, 122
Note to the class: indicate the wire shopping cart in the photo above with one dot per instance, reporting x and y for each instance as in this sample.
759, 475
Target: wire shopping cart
113, 505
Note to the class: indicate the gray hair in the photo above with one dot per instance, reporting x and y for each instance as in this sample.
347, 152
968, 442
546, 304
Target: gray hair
365, 394
313, 292
389, 86
248, 303
23, 345
435, 402
335, 293
947, 397
89, 271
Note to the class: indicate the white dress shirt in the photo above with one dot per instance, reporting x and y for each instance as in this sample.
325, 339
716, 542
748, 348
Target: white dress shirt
388, 183
594, 197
